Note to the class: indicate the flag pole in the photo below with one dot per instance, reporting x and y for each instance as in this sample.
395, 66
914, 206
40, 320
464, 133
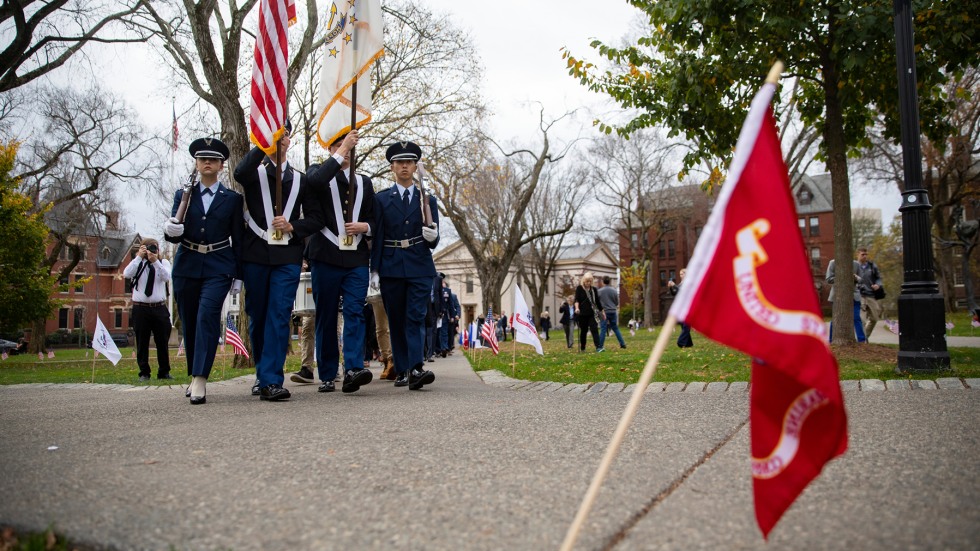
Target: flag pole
513, 364
648, 371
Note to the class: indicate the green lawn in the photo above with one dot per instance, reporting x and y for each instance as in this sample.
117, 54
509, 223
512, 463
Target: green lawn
75, 366
707, 361
962, 326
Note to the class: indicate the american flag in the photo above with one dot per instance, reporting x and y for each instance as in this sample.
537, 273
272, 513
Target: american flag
269, 79
490, 332
233, 338
50, 354
174, 132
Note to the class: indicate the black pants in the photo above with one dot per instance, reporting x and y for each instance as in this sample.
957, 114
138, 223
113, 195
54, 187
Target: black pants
684, 340
156, 320
588, 323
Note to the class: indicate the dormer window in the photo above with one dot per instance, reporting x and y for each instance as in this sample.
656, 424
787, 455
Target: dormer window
105, 253
804, 196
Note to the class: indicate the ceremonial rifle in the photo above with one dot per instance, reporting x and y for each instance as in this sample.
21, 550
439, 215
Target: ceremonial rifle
185, 198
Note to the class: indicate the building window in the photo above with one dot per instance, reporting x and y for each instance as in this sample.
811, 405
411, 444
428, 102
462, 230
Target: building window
79, 287
635, 239
79, 318
663, 249
62, 318
815, 258
63, 283
804, 197
128, 286
814, 226
663, 278
119, 320
671, 249
673, 275
469, 284
802, 222
105, 253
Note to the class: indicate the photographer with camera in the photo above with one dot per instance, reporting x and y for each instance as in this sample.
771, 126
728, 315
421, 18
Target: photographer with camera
149, 275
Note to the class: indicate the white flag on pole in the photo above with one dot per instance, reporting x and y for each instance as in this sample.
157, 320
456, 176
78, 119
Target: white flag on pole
354, 41
524, 330
102, 342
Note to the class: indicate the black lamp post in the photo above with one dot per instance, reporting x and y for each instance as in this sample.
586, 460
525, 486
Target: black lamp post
921, 312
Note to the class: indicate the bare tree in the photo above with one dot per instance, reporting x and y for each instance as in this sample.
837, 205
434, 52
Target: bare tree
88, 144
552, 210
637, 181
47, 33
487, 196
204, 43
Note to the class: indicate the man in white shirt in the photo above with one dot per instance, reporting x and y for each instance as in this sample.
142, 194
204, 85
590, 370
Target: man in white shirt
149, 274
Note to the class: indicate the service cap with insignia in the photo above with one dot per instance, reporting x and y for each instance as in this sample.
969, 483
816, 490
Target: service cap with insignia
403, 151
209, 148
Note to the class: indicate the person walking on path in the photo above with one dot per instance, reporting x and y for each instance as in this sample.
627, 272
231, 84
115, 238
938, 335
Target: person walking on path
272, 269
858, 329
684, 340
150, 274
401, 263
208, 263
546, 325
609, 302
587, 312
870, 286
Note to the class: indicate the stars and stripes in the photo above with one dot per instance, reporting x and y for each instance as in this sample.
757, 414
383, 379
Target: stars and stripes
490, 332
174, 133
233, 338
269, 79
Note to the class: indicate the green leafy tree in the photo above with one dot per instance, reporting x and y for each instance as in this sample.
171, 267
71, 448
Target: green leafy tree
697, 68
25, 286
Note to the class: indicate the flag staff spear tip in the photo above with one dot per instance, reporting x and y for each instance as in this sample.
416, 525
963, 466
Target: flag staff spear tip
775, 72
648, 370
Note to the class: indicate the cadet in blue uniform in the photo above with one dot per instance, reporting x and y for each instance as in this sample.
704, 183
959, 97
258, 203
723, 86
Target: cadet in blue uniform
401, 263
208, 260
272, 271
341, 274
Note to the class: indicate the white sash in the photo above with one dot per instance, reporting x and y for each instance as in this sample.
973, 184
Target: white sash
267, 204
339, 212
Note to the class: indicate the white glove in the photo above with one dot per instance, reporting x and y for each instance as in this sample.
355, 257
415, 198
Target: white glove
430, 234
375, 281
172, 228
236, 287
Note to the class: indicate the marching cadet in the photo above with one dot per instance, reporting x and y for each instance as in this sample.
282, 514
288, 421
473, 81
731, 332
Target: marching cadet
401, 263
272, 269
339, 257
208, 260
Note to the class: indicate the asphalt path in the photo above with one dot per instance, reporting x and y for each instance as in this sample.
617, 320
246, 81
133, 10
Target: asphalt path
467, 465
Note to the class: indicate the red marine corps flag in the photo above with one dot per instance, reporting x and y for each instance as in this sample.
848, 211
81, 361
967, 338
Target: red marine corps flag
269, 78
749, 286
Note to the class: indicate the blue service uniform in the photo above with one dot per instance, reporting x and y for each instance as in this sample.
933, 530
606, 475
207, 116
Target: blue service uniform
271, 272
403, 260
208, 259
337, 274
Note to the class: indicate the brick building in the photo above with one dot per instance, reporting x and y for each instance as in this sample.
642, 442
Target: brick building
680, 229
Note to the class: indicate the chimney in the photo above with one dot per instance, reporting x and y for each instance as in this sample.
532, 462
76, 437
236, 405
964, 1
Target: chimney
112, 220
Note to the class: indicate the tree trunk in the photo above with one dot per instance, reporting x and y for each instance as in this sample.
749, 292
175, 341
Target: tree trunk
648, 299
833, 136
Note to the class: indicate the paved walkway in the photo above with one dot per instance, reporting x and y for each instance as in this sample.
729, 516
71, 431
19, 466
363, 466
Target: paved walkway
468, 465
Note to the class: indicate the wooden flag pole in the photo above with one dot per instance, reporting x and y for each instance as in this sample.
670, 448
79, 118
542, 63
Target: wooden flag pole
513, 363
600, 475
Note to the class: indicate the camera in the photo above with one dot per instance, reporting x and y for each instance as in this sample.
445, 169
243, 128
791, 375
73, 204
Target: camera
152, 248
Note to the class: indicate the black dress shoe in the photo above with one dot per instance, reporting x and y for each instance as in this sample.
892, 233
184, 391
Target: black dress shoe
274, 393
187, 392
165, 376
401, 379
198, 400
328, 386
355, 379
255, 389
417, 378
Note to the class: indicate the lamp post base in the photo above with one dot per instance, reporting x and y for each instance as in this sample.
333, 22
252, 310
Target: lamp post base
922, 334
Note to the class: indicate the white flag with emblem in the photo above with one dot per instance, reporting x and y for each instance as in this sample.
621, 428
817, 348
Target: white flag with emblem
102, 342
524, 330
354, 41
